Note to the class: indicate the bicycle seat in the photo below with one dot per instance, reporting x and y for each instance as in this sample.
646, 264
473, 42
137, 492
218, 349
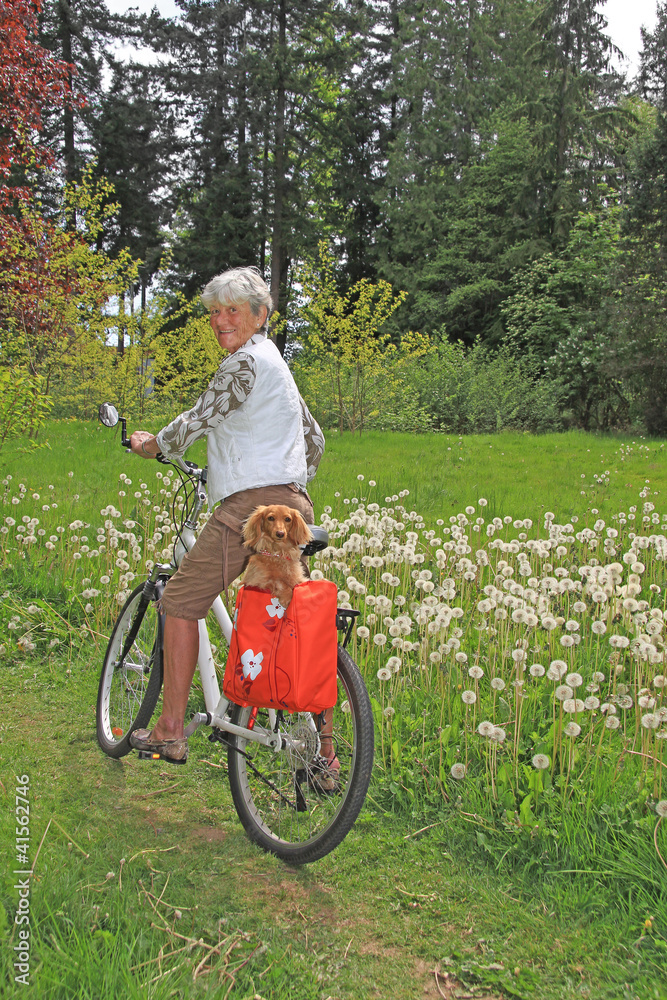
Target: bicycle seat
319, 541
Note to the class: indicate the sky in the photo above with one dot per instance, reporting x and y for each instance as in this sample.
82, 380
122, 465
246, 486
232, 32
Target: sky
625, 18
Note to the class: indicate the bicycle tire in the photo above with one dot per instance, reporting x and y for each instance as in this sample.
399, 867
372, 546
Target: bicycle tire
278, 795
128, 691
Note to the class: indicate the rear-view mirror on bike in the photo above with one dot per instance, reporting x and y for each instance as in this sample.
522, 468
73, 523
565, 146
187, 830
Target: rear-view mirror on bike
108, 414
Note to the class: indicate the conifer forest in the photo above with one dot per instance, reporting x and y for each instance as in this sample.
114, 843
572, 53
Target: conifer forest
460, 207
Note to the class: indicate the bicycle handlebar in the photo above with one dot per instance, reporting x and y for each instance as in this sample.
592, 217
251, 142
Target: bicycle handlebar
108, 415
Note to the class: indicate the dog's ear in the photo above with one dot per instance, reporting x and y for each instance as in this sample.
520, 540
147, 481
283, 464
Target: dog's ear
299, 531
252, 529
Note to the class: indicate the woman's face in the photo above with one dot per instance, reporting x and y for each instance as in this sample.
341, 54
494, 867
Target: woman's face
233, 325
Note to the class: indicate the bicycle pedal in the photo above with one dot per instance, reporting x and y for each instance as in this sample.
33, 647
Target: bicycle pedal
148, 755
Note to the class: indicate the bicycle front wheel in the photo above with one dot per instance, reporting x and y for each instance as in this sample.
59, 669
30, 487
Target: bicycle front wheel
291, 802
131, 674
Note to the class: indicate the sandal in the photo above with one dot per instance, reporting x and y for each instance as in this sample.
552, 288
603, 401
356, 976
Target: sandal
173, 751
325, 773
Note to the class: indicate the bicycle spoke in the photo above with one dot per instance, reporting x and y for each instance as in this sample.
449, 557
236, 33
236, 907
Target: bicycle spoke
293, 802
131, 675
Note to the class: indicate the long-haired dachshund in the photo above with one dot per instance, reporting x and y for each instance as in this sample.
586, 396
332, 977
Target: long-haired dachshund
273, 534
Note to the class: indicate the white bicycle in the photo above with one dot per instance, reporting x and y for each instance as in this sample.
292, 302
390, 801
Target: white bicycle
287, 797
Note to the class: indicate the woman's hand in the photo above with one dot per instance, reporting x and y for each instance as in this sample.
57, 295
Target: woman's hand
143, 443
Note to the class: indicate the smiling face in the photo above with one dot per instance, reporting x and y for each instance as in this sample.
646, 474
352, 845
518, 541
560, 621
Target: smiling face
233, 325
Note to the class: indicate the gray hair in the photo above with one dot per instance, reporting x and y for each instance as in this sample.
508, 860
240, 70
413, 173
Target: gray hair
239, 284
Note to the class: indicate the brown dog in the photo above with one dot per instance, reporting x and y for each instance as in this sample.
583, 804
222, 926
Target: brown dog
274, 534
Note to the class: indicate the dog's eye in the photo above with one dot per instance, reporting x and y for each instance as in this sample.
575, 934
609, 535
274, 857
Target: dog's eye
288, 520
270, 518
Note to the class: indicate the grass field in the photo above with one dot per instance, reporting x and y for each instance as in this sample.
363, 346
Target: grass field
516, 881
518, 474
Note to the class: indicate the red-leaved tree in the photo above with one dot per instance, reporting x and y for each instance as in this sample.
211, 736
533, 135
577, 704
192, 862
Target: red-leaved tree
30, 79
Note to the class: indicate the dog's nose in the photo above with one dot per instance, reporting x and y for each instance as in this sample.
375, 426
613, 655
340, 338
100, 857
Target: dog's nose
280, 534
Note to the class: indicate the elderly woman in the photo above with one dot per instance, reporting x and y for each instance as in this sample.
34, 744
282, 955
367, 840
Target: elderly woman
263, 445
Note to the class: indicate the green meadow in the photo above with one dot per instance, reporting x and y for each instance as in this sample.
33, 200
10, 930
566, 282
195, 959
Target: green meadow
512, 598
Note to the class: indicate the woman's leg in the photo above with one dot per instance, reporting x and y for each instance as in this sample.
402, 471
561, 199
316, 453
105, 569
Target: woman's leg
181, 648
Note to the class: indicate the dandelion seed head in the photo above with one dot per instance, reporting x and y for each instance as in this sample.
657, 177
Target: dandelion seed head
558, 669
541, 761
485, 728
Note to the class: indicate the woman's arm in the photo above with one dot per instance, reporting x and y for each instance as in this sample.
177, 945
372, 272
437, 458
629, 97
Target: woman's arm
314, 439
229, 388
144, 443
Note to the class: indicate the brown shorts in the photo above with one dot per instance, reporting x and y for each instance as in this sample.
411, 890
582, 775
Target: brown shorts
218, 555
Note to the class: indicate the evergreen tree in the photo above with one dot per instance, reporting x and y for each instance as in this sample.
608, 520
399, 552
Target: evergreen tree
457, 65
576, 110
136, 148
652, 78
214, 226
80, 32
353, 179
253, 81
645, 263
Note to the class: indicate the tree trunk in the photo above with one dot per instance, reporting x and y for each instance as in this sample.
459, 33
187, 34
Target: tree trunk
120, 349
69, 150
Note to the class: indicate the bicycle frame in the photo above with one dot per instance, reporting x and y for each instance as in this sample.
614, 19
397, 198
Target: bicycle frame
297, 780
217, 706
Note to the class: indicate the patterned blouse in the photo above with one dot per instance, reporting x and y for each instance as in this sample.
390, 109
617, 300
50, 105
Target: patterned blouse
228, 389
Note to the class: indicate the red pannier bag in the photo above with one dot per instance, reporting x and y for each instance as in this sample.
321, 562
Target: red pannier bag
284, 658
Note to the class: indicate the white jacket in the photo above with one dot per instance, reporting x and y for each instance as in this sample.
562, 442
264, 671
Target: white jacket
262, 442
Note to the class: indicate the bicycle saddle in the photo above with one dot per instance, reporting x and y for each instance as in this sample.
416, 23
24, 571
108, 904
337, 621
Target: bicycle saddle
319, 541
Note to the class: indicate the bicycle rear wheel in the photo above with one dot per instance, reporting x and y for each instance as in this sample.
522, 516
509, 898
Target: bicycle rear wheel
131, 674
290, 802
